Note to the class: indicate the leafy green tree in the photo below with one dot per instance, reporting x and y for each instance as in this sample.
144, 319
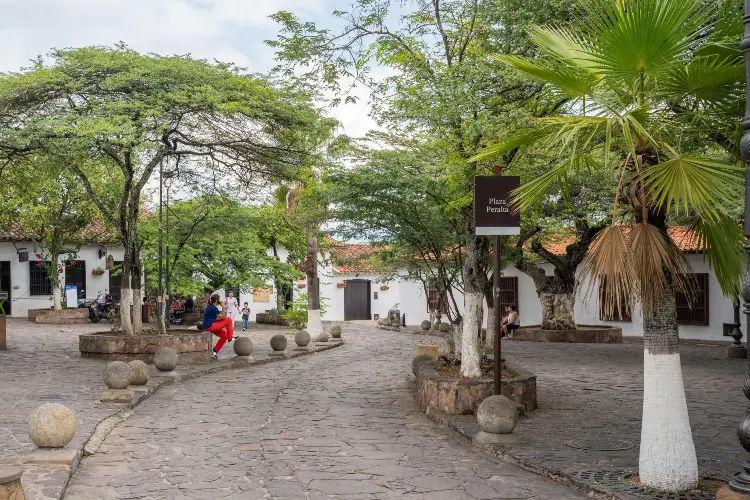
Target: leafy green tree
48, 204
214, 241
444, 89
659, 85
131, 113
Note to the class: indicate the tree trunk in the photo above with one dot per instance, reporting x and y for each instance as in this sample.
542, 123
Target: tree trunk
490, 329
557, 311
667, 457
126, 294
474, 283
135, 276
57, 295
314, 323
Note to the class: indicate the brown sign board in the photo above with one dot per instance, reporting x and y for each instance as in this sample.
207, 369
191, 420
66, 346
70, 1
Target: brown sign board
492, 212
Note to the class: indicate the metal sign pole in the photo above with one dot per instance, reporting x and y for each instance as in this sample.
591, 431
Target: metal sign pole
498, 320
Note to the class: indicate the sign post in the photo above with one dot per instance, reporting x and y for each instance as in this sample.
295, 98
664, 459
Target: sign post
494, 217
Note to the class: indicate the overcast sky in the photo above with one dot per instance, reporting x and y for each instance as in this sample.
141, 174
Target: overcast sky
227, 30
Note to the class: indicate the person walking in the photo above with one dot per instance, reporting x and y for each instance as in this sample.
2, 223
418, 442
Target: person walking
245, 316
218, 324
231, 307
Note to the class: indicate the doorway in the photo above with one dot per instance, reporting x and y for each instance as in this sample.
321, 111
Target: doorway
357, 300
5, 284
75, 274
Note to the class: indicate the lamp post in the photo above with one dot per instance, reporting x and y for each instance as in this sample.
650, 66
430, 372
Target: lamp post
740, 483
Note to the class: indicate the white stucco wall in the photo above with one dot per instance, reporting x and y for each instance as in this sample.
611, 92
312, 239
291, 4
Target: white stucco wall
20, 297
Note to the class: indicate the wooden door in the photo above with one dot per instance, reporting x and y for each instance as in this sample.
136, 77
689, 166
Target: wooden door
5, 284
357, 300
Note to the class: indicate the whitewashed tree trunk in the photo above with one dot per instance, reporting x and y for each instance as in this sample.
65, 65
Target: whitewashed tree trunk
458, 335
314, 323
667, 457
57, 295
126, 302
470, 358
490, 338
137, 311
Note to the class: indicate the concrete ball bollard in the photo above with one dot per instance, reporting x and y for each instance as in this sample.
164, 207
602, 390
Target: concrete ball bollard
497, 415
336, 331
140, 372
278, 342
426, 325
52, 425
165, 359
243, 346
323, 337
445, 327
117, 375
302, 338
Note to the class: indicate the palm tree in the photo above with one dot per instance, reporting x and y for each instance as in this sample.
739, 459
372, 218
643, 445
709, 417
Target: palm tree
656, 85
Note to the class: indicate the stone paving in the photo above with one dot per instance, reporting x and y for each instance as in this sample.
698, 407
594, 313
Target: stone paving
42, 364
340, 424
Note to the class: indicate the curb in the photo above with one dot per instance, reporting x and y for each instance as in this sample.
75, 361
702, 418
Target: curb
108, 424
590, 490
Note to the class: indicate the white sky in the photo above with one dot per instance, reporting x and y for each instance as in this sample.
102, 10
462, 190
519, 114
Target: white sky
227, 30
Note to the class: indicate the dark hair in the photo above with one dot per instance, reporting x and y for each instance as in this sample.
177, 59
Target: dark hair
244, 304
215, 298
513, 308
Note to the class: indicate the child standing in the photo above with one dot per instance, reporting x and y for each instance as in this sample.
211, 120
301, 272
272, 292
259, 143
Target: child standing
245, 316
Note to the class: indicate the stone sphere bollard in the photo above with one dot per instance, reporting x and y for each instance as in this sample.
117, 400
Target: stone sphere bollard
425, 325
302, 338
52, 425
445, 327
243, 346
165, 359
418, 359
497, 415
395, 323
323, 337
140, 372
278, 342
117, 375
336, 331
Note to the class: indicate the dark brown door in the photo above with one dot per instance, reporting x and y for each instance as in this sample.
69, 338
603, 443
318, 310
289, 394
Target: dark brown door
75, 274
357, 300
5, 284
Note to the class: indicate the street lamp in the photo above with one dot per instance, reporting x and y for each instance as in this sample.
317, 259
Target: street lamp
740, 483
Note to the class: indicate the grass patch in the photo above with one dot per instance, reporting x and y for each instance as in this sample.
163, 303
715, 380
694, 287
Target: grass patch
705, 484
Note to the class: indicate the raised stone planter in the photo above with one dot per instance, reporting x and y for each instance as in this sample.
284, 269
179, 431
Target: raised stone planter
192, 346
584, 334
190, 319
270, 319
76, 316
462, 396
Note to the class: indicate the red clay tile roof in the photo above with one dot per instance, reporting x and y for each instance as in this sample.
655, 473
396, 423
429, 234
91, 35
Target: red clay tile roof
352, 258
95, 233
683, 237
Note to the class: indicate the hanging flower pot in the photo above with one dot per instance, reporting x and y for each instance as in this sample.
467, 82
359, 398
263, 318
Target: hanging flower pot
300, 285
97, 271
341, 285
384, 287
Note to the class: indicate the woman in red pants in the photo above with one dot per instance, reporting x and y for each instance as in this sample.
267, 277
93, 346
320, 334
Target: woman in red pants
218, 324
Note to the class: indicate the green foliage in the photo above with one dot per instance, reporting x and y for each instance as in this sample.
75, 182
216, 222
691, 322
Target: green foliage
296, 314
213, 241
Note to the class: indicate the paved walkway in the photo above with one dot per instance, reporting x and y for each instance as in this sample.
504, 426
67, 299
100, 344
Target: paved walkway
43, 365
339, 424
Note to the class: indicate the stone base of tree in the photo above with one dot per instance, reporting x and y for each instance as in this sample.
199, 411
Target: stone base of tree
270, 319
462, 396
726, 494
78, 316
192, 346
190, 319
585, 334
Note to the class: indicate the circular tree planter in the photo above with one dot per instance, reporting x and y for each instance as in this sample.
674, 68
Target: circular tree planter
462, 396
584, 334
192, 346
78, 316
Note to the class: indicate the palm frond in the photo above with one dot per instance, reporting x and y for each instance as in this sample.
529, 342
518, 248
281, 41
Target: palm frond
522, 138
709, 81
609, 266
568, 80
692, 183
721, 242
659, 265
532, 192
627, 39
